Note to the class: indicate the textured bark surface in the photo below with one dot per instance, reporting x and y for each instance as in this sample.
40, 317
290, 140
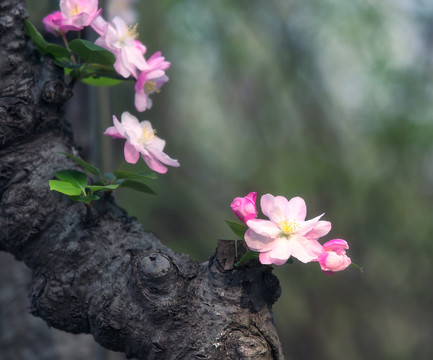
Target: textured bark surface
95, 270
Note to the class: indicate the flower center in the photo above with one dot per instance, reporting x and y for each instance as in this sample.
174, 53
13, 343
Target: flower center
150, 87
288, 227
76, 10
147, 135
131, 33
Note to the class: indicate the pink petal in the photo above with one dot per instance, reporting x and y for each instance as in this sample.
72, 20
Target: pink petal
267, 203
264, 227
321, 229
307, 226
160, 155
277, 212
304, 250
154, 164
99, 25
131, 154
140, 100
280, 251
296, 209
114, 133
256, 242
119, 126
266, 259
335, 245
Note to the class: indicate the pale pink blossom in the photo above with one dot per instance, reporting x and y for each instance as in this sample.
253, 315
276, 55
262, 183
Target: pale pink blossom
245, 207
286, 233
49, 24
333, 257
77, 14
120, 39
150, 80
141, 139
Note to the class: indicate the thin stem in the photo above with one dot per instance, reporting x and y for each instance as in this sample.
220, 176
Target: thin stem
65, 41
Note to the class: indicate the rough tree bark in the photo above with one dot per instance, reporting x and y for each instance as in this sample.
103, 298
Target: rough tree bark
95, 270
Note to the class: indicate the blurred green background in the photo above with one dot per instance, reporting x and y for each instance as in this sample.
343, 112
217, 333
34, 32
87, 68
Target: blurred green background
330, 100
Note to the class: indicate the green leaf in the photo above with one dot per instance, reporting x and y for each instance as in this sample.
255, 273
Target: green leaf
36, 36
110, 176
133, 176
85, 165
101, 81
67, 65
132, 184
74, 177
249, 255
94, 188
57, 51
361, 269
86, 199
237, 228
64, 187
91, 52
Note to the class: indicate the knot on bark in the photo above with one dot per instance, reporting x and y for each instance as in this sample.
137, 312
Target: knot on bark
55, 92
243, 345
251, 348
156, 277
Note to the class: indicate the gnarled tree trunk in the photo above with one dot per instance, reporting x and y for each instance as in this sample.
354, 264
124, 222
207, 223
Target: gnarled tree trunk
95, 270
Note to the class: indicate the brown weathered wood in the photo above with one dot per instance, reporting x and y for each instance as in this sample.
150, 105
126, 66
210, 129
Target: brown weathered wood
95, 270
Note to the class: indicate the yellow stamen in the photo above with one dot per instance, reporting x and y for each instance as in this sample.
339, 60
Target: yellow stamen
146, 135
132, 31
150, 87
288, 227
76, 10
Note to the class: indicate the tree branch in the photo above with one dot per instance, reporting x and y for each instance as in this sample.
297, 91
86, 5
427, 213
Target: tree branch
95, 270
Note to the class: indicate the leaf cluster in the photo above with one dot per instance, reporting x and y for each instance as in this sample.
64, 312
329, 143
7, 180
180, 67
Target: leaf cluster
75, 184
81, 59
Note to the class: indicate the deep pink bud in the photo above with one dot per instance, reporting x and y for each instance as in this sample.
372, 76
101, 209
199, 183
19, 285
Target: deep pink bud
49, 24
245, 208
333, 257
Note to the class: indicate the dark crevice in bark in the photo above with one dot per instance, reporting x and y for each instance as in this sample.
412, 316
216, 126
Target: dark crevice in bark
95, 270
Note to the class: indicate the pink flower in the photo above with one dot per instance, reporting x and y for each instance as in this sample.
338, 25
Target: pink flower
49, 24
77, 14
119, 38
286, 233
141, 139
333, 257
245, 207
150, 80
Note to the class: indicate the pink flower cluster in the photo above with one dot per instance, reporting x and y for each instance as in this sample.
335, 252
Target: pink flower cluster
117, 37
120, 38
287, 233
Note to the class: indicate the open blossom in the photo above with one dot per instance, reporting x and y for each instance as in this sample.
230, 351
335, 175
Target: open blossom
245, 207
333, 257
141, 139
286, 233
120, 39
150, 80
74, 15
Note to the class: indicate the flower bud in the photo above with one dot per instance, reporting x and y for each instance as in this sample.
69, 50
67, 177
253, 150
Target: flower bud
333, 257
245, 208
